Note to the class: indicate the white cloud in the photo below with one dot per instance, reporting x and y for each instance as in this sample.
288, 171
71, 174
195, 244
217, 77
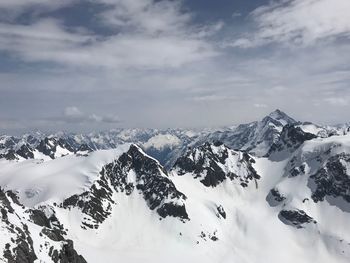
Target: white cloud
260, 105
11, 9
212, 97
159, 68
298, 22
7, 4
17, 5
151, 34
337, 101
73, 114
146, 16
10, 124
276, 90
236, 14
106, 118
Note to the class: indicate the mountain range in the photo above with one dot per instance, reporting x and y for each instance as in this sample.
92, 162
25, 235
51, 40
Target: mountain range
274, 190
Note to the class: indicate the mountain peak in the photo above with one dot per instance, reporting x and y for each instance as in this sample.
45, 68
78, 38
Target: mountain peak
282, 117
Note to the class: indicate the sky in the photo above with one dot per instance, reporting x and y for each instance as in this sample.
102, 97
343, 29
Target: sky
85, 65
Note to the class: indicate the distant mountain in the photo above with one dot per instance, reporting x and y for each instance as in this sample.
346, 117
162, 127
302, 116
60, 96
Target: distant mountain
255, 137
167, 145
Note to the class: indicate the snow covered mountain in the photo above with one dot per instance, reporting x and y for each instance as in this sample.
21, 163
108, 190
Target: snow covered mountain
256, 137
275, 190
164, 145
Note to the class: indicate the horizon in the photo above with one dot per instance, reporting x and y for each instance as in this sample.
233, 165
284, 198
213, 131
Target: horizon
211, 129
87, 65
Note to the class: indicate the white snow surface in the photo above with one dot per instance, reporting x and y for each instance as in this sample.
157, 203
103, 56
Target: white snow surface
251, 232
38, 181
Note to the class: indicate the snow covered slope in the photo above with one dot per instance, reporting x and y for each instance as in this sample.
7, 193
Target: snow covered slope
38, 181
215, 205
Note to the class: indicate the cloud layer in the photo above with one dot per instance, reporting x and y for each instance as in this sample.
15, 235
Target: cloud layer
299, 22
156, 64
75, 115
148, 34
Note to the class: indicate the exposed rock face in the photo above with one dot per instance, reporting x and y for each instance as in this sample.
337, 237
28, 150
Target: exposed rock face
133, 171
275, 198
83, 149
96, 202
136, 171
327, 173
16, 222
296, 218
21, 247
9, 155
25, 152
291, 138
332, 180
48, 146
221, 212
7, 143
67, 254
214, 163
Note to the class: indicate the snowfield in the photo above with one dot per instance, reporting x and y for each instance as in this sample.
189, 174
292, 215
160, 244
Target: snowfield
38, 181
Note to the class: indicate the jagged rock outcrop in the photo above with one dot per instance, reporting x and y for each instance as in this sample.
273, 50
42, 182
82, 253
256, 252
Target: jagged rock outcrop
54, 147
275, 198
214, 163
25, 151
332, 182
132, 172
291, 138
295, 218
19, 224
